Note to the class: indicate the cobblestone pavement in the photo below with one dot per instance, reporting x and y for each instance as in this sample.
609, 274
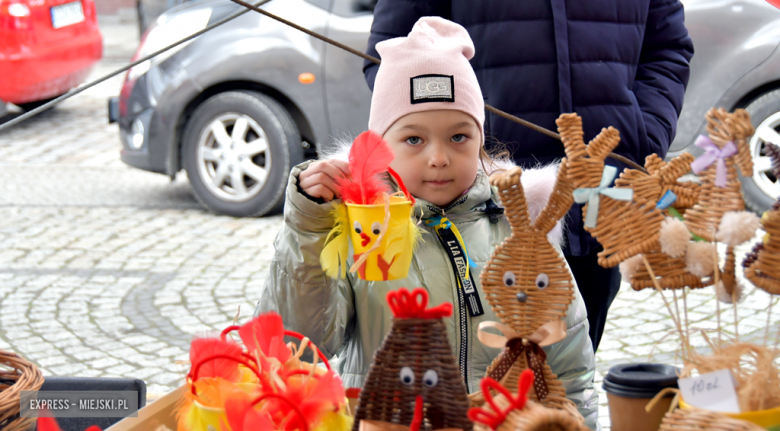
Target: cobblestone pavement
109, 271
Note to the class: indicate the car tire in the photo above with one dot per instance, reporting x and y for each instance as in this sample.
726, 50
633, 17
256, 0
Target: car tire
268, 126
757, 190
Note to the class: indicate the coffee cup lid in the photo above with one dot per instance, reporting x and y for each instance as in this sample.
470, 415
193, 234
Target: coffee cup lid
643, 376
628, 391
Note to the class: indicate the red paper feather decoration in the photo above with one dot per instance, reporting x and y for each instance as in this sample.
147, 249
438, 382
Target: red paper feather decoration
266, 332
203, 348
413, 305
50, 424
368, 157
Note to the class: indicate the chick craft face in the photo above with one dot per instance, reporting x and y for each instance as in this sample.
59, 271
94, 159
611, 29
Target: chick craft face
378, 222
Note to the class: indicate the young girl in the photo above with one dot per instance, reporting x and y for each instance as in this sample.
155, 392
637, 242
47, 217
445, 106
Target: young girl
428, 106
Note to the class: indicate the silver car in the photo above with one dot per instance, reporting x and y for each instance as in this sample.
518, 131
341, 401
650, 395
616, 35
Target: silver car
239, 106
149, 10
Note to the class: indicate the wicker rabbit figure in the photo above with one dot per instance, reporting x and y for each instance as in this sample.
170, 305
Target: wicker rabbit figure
625, 225
667, 256
529, 287
720, 214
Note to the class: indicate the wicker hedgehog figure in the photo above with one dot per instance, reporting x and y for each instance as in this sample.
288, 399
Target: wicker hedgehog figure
529, 287
668, 256
720, 213
507, 412
762, 264
414, 380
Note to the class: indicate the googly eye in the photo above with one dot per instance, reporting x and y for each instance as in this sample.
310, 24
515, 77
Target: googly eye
509, 278
358, 227
407, 376
376, 228
430, 378
542, 281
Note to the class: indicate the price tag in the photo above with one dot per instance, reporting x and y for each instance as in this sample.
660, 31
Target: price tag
712, 391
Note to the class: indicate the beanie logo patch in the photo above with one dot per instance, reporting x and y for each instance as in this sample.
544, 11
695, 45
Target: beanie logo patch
432, 88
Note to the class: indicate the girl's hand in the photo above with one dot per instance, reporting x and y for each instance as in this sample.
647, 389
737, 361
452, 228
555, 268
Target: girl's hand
319, 179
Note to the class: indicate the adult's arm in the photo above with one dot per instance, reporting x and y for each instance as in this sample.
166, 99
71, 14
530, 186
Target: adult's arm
395, 18
662, 73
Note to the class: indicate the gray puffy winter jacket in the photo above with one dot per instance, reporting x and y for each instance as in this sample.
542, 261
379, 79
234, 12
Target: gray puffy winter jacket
349, 318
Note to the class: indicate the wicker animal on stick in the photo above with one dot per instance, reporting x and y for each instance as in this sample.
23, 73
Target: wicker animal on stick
721, 191
695, 420
762, 264
414, 379
507, 412
529, 287
720, 213
624, 224
667, 256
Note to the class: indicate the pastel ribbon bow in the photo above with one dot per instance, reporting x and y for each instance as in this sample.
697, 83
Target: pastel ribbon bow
514, 346
712, 154
591, 195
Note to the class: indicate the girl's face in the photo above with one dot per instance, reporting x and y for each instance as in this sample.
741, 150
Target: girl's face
436, 153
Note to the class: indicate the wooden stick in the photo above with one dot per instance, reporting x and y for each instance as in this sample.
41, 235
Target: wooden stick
736, 319
661, 292
716, 274
683, 338
768, 320
687, 324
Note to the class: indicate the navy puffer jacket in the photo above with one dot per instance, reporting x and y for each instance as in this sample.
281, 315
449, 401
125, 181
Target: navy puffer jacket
620, 63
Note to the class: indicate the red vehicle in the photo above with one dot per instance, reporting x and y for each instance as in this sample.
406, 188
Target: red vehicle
47, 47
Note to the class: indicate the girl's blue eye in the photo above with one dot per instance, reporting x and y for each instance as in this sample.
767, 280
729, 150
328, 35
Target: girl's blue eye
414, 140
459, 138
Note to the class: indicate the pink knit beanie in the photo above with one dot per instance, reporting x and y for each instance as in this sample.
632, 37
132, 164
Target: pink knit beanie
426, 71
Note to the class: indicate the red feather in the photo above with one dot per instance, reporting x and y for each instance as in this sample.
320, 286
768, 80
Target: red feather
266, 332
203, 348
48, 424
369, 156
241, 416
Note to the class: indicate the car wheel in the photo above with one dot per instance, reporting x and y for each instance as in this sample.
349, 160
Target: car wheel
239, 147
762, 189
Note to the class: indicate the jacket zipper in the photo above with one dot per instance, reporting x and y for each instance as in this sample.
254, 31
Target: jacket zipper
463, 320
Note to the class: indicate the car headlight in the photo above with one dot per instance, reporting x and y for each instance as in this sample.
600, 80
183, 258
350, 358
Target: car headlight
137, 134
168, 30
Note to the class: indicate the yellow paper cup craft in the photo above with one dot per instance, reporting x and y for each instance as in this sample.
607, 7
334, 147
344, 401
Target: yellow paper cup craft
378, 222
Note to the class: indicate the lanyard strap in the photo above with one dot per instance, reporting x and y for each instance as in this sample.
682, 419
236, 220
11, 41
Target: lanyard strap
453, 244
440, 222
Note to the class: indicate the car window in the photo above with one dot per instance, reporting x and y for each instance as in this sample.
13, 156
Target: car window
353, 7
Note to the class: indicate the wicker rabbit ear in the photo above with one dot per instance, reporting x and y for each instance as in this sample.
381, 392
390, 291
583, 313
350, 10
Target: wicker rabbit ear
510, 189
742, 127
570, 129
604, 143
559, 202
676, 168
717, 127
653, 163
